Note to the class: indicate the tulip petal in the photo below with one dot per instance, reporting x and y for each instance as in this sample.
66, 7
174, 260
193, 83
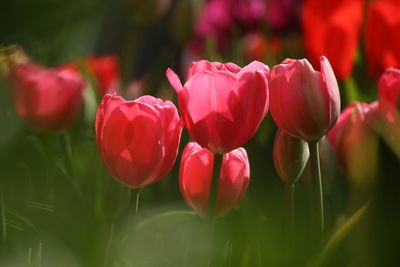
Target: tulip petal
200, 66
235, 177
331, 92
252, 89
209, 107
134, 127
174, 80
195, 177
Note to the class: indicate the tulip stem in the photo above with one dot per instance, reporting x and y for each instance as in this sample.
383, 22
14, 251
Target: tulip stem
135, 197
289, 191
317, 182
212, 206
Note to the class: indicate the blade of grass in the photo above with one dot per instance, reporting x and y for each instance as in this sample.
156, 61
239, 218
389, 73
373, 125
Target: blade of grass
337, 237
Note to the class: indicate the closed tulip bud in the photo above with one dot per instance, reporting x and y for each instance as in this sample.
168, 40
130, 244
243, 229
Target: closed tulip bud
355, 143
48, 99
222, 105
389, 89
305, 103
326, 21
290, 156
137, 140
195, 178
106, 71
382, 39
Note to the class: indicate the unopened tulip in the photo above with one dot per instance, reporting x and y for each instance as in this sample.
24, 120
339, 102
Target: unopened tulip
137, 140
290, 156
48, 99
355, 143
305, 103
382, 39
222, 105
325, 22
106, 72
196, 175
389, 89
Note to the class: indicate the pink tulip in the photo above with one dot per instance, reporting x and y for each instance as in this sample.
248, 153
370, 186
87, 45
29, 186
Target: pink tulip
305, 103
138, 140
222, 105
48, 99
389, 88
354, 142
196, 174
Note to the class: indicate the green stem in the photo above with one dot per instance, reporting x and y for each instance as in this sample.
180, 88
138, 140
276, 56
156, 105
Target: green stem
317, 182
135, 195
212, 204
289, 192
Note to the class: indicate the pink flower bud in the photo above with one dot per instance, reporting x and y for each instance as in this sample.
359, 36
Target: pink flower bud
106, 72
290, 156
222, 105
137, 140
355, 143
389, 88
48, 99
305, 103
196, 175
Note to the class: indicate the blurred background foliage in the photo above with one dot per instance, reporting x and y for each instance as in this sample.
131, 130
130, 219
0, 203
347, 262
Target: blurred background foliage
59, 207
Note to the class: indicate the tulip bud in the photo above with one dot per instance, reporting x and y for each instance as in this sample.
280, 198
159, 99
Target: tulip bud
382, 42
305, 103
137, 140
48, 99
389, 88
222, 105
195, 178
326, 21
290, 156
106, 72
355, 143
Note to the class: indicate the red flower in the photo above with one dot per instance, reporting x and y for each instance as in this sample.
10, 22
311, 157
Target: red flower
138, 140
382, 38
48, 99
305, 103
106, 71
331, 29
222, 105
196, 175
389, 89
354, 142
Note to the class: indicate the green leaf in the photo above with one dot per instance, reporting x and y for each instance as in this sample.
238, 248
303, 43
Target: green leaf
337, 237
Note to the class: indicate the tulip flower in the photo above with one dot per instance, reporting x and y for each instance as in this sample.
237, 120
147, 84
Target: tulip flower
106, 72
382, 39
389, 89
196, 174
48, 99
137, 140
290, 156
222, 105
326, 22
354, 142
305, 103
